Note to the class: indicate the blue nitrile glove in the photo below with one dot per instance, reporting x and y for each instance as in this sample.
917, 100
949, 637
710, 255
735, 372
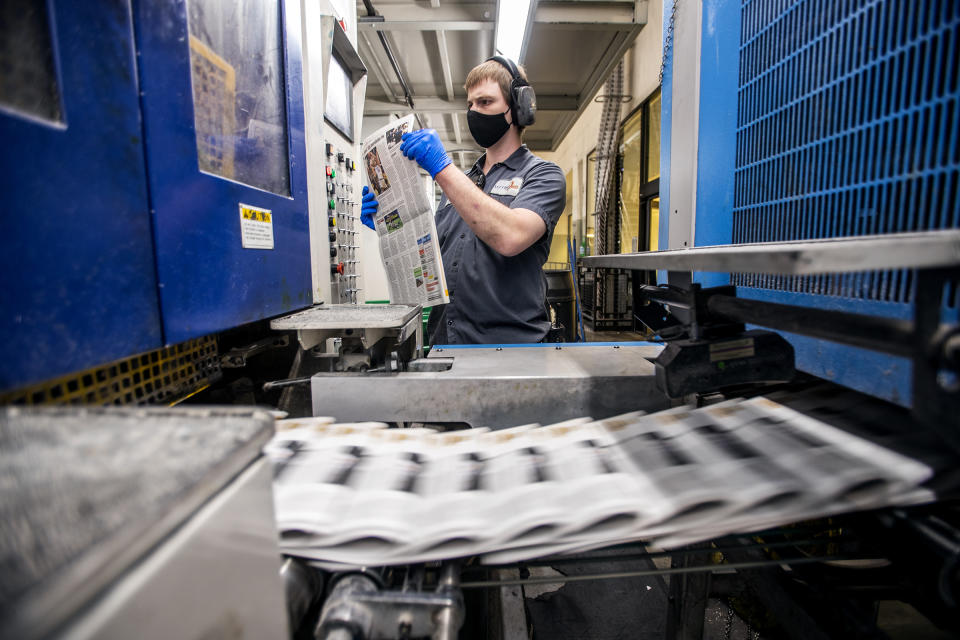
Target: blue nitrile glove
425, 147
368, 207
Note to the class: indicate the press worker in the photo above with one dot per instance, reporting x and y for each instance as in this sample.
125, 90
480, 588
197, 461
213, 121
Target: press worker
495, 222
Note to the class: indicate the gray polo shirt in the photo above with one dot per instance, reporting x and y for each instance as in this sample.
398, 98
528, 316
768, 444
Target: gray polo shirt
495, 299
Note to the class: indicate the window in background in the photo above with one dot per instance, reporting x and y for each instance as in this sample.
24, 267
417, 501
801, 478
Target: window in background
631, 152
559, 258
654, 213
239, 95
639, 196
650, 190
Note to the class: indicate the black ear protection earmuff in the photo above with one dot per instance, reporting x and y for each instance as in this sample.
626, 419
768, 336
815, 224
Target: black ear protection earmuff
523, 101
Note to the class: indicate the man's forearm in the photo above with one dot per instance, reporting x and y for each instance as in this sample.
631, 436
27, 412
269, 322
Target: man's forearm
506, 231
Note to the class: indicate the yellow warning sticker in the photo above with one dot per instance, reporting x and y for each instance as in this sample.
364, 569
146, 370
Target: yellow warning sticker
256, 227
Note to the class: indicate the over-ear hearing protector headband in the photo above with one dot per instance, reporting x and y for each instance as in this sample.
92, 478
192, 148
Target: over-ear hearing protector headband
523, 101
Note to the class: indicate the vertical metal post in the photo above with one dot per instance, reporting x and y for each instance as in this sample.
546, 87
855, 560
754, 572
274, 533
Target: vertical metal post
934, 405
449, 619
687, 601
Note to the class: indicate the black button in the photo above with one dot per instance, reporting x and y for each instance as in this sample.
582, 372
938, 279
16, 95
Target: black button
463, 235
450, 323
454, 264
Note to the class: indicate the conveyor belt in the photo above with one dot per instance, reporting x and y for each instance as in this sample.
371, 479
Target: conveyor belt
362, 495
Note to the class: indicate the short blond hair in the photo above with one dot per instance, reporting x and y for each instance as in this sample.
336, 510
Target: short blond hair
493, 70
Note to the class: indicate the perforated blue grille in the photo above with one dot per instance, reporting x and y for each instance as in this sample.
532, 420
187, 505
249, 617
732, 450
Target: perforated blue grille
847, 125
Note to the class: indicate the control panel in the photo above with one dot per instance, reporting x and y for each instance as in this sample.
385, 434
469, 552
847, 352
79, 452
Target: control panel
343, 217
344, 255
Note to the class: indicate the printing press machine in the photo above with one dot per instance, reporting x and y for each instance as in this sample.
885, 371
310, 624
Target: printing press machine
190, 527
707, 354
158, 522
185, 529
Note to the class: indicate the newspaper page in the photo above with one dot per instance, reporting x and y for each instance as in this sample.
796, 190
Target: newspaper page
363, 494
404, 222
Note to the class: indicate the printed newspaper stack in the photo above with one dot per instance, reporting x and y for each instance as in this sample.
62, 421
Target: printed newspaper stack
362, 494
404, 222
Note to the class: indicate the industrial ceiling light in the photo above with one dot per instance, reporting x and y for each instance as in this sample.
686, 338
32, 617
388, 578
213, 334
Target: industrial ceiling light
513, 26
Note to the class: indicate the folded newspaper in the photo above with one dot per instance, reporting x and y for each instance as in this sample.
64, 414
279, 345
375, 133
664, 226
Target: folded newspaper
362, 494
404, 222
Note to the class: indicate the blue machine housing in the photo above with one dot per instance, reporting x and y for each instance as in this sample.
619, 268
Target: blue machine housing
820, 119
208, 282
79, 283
117, 242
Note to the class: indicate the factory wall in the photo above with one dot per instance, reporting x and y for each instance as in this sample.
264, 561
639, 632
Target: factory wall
641, 77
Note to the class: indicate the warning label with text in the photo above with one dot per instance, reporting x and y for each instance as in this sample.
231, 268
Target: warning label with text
256, 227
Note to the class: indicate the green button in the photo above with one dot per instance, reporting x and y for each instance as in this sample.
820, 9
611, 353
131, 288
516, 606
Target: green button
332, 203
333, 173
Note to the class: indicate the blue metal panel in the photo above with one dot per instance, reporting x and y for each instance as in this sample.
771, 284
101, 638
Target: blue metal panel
847, 124
79, 285
547, 345
208, 281
875, 373
717, 138
666, 122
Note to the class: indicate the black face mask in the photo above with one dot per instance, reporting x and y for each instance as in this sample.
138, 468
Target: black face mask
487, 129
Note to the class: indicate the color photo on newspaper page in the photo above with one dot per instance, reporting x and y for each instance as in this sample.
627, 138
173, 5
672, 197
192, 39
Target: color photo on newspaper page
405, 225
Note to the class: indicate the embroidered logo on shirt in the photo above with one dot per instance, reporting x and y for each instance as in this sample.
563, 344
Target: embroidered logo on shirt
507, 187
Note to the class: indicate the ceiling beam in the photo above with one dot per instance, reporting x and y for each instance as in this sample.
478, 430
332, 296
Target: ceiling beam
417, 12
615, 21
588, 16
445, 64
611, 57
582, 13
374, 107
426, 25
459, 138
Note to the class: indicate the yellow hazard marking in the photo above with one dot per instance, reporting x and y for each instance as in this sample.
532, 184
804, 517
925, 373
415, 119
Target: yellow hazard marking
259, 215
256, 227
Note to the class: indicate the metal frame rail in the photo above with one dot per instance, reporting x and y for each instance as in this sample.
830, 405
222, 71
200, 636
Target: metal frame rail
780, 568
752, 557
932, 347
922, 250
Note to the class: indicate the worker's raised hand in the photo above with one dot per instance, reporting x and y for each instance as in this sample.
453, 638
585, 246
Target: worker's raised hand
368, 207
425, 148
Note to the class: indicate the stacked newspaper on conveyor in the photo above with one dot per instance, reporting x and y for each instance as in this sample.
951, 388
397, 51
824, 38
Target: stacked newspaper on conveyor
362, 494
404, 222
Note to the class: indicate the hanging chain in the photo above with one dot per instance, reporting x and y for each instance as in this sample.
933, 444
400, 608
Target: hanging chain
606, 158
668, 38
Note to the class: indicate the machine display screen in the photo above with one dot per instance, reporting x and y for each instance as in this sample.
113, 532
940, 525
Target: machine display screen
339, 107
